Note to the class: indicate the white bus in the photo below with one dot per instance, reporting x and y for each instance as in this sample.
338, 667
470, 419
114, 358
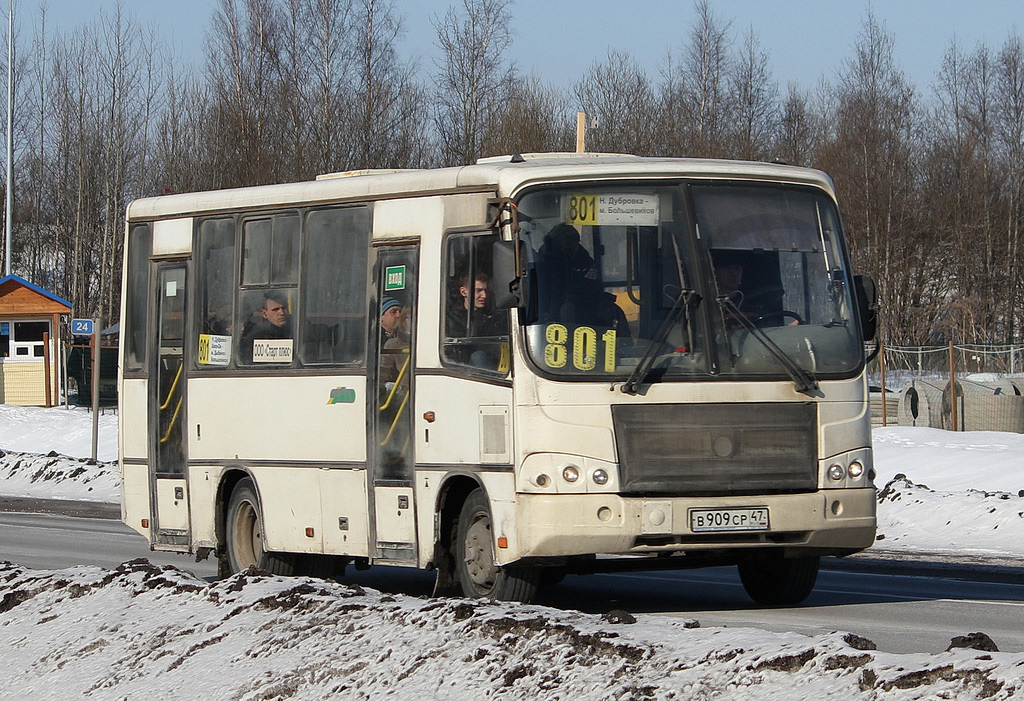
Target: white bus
502, 372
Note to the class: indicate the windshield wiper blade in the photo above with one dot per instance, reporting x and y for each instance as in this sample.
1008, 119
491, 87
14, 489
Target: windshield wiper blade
684, 300
804, 381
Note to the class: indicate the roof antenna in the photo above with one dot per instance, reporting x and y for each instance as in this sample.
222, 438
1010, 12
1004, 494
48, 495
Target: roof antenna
518, 158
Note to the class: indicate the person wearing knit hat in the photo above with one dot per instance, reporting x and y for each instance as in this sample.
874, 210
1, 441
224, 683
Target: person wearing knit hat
390, 315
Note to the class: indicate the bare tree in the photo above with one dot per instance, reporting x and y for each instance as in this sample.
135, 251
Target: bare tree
795, 138
388, 104
696, 92
871, 156
532, 118
472, 76
754, 101
618, 93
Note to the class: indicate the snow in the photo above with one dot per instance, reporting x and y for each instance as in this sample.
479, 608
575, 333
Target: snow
146, 631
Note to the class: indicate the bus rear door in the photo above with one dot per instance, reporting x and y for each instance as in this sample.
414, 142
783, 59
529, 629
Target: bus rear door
168, 450
391, 441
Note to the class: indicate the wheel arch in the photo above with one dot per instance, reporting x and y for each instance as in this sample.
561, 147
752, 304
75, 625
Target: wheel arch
229, 479
452, 494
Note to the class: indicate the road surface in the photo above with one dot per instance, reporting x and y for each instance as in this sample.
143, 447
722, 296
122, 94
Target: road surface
897, 611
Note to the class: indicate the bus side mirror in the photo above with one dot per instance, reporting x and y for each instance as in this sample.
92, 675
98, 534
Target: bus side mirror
867, 305
509, 290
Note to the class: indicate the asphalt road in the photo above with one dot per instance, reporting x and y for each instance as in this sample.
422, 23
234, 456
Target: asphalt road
878, 600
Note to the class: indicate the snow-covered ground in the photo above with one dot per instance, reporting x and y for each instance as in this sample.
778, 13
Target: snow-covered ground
142, 631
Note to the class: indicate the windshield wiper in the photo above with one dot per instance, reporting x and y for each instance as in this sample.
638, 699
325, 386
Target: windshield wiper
684, 300
803, 380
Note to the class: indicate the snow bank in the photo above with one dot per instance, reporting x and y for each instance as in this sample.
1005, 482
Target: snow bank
68, 431
146, 632
55, 476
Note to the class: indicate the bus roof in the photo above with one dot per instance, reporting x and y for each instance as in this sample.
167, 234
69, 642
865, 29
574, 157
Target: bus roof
502, 175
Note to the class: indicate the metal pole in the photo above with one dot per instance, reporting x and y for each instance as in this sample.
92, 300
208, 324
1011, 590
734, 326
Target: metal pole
95, 387
881, 363
9, 219
952, 386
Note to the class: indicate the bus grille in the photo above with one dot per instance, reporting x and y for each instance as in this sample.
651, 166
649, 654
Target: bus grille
717, 449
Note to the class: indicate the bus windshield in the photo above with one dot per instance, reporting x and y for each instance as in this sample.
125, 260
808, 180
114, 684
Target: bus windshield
687, 280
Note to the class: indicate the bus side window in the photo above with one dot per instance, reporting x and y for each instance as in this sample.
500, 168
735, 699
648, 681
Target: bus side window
334, 285
140, 241
475, 334
217, 286
266, 302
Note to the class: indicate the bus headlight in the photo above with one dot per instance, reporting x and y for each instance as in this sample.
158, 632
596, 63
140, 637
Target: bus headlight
836, 472
855, 469
600, 477
570, 473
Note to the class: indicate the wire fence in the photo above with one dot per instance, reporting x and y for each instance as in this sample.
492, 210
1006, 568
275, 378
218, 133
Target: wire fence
954, 387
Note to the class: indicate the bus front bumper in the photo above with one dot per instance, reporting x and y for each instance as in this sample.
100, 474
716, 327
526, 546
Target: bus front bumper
836, 521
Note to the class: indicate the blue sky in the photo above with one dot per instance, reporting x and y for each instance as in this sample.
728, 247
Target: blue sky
561, 39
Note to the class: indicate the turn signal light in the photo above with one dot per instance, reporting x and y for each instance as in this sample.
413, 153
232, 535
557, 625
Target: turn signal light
145, 523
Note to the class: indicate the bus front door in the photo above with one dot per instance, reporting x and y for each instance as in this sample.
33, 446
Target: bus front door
168, 456
391, 440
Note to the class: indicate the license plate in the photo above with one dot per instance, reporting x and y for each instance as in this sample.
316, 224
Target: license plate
746, 519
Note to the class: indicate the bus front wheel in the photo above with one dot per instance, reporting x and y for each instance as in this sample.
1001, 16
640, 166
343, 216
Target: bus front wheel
478, 574
779, 581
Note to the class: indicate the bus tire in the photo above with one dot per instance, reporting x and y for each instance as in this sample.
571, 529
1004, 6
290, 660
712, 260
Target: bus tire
243, 529
779, 581
473, 550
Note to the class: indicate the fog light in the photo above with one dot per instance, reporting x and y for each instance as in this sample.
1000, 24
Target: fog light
836, 473
541, 480
570, 473
600, 477
855, 469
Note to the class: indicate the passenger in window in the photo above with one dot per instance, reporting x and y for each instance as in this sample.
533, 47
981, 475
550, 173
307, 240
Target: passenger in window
272, 321
394, 352
571, 286
730, 267
471, 316
390, 318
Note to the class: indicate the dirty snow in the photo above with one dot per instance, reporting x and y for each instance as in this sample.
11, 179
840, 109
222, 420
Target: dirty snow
143, 631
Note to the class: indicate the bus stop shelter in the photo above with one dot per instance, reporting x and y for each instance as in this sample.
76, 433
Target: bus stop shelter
29, 360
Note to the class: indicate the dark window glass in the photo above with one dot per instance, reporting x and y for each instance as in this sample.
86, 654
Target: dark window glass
30, 330
334, 285
271, 251
140, 238
217, 261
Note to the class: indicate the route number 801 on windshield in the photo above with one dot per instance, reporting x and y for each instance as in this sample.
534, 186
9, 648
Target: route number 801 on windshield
584, 348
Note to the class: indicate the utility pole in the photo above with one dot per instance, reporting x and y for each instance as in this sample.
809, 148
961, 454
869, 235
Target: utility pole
9, 210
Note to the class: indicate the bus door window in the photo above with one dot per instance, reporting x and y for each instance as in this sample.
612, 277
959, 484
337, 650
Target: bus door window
394, 332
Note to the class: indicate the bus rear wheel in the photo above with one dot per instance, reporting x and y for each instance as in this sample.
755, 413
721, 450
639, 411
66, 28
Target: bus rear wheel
245, 535
779, 581
475, 564
243, 529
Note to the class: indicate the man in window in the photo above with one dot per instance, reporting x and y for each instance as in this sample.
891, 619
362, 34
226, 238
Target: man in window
474, 318
273, 323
